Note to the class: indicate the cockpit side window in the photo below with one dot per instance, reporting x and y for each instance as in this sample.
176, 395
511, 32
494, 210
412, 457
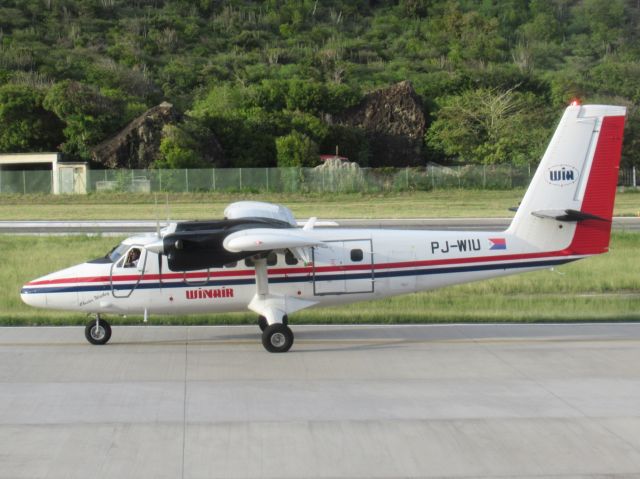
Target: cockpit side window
116, 253
133, 256
130, 258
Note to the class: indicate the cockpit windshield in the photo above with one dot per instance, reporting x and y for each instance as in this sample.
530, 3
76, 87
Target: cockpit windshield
116, 253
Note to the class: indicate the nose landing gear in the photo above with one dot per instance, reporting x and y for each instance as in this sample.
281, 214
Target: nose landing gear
98, 331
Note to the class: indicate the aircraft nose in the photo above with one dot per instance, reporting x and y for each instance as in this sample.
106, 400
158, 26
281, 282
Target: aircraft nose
54, 291
33, 296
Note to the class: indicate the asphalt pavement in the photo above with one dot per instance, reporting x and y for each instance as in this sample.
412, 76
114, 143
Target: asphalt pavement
138, 226
446, 401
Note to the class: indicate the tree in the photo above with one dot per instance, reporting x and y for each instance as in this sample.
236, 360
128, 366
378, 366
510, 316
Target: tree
297, 150
88, 115
188, 145
351, 142
246, 136
604, 22
306, 96
24, 124
489, 126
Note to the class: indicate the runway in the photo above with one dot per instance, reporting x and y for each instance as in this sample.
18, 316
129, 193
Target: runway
446, 401
138, 226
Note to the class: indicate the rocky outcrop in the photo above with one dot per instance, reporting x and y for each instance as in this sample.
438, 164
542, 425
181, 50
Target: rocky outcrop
395, 123
138, 144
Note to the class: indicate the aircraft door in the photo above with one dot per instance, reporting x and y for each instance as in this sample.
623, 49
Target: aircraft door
127, 272
328, 271
343, 267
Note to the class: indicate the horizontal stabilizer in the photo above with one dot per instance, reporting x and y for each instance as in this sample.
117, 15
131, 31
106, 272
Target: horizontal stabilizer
568, 215
263, 239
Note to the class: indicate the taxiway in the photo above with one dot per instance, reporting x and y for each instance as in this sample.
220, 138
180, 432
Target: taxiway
140, 226
526, 401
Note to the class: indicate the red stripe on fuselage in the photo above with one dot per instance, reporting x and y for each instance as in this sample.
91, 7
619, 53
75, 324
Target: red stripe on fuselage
308, 269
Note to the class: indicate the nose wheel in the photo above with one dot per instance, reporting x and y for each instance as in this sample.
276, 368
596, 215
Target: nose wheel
98, 331
277, 338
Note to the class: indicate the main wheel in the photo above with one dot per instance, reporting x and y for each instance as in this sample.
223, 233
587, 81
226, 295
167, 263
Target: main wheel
99, 333
263, 323
277, 338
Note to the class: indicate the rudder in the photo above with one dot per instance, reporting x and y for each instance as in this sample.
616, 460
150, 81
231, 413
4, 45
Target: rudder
569, 203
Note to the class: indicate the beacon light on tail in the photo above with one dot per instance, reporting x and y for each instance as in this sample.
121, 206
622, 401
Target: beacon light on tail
257, 257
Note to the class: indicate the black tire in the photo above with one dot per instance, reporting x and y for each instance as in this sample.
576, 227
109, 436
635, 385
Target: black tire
277, 338
262, 323
99, 335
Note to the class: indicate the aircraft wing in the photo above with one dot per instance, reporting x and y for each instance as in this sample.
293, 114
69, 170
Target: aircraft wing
248, 228
264, 239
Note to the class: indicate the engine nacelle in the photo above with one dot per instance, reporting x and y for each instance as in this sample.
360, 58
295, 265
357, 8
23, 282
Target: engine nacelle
259, 209
193, 245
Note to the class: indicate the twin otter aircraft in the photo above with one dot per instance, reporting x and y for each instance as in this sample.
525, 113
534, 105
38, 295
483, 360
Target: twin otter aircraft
258, 258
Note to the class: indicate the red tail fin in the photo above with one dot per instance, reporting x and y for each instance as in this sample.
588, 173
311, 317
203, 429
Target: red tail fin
592, 236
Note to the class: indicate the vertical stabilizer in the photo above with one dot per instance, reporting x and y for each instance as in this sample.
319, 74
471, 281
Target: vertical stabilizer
569, 203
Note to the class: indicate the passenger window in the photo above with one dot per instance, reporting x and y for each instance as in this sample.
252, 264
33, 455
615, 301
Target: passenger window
290, 259
248, 262
356, 255
233, 264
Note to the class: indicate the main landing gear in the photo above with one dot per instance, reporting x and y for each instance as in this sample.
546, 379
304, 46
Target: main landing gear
276, 338
98, 331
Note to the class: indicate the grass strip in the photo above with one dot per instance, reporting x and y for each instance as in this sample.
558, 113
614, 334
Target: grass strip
421, 204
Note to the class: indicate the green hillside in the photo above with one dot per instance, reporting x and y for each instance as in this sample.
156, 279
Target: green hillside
269, 78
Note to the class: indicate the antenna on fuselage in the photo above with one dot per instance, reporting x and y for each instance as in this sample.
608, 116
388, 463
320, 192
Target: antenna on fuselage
157, 215
167, 209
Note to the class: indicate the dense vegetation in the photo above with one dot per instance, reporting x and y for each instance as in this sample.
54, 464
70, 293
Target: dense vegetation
267, 77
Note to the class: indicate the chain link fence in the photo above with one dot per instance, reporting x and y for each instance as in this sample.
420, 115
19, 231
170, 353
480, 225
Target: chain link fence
286, 180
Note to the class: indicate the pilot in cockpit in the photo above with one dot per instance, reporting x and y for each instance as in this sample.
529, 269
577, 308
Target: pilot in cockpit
132, 258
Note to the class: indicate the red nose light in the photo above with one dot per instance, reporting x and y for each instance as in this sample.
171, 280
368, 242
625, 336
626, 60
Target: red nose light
575, 102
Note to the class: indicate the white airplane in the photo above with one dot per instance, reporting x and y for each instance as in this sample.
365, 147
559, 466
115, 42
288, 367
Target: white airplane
258, 258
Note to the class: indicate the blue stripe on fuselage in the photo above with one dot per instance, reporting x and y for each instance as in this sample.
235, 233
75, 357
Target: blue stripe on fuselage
299, 279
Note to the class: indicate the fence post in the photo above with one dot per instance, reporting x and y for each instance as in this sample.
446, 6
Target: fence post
633, 176
406, 177
484, 176
160, 180
24, 183
213, 178
240, 176
266, 170
186, 179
